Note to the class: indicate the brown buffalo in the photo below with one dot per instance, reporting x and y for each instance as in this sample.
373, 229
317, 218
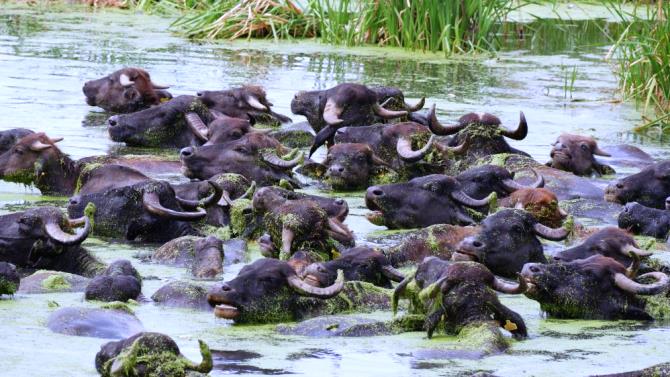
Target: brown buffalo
576, 154
539, 202
248, 102
125, 91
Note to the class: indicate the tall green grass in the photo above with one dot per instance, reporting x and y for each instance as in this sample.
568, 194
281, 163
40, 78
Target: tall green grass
452, 26
643, 56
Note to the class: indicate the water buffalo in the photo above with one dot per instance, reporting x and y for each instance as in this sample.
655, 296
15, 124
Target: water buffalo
119, 282
125, 91
148, 354
610, 242
254, 156
576, 154
233, 186
9, 279
359, 263
270, 291
148, 210
650, 187
539, 202
479, 182
466, 298
340, 106
268, 198
475, 136
647, 221
423, 201
303, 224
38, 238
10, 137
597, 287
248, 102
348, 166
165, 125
507, 240
37, 160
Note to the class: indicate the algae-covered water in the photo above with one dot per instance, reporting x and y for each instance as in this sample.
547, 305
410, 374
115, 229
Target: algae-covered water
46, 55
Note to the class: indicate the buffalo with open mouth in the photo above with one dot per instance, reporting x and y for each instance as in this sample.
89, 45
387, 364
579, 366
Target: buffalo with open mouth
255, 156
341, 106
248, 102
41, 238
597, 287
576, 154
125, 91
461, 295
267, 291
650, 187
147, 210
506, 241
423, 201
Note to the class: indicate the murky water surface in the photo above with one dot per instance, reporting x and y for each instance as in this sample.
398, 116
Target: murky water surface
46, 56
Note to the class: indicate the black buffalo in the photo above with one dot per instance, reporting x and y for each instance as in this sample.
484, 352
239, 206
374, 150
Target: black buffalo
594, 288
650, 187
119, 282
9, 137
507, 240
640, 219
248, 102
610, 242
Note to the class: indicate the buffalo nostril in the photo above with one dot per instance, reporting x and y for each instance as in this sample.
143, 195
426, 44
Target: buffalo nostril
226, 288
477, 244
619, 185
113, 121
377, 192
199, 94
339, 169
534, 269
74, 201
339, 202
186, 152
557, 258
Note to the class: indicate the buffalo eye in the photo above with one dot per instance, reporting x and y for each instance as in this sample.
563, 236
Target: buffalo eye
242, 150
585, 147
235, 134
18, 151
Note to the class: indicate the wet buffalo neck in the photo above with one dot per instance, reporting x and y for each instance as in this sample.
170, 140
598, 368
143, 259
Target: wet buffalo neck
57, 176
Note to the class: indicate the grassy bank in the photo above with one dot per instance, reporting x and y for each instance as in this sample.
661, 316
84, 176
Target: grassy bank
643, 61
428, 25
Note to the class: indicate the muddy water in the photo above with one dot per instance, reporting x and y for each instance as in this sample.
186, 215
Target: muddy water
46, 56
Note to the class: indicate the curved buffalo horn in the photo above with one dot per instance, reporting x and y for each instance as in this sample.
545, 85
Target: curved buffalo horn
255, 103
151, 202
56, 139
197, 126
627, 284
216, 114
159, 86
404, 149
54, 231
511, 288
628, 249
321, 137
386, 113
274, 160
553, 234
206, 365
125, 80
511, 185
398, 291
39, 146
562, 212
331, 113
419, 105
599, 152
464, 199
438, 128
520, 132
225, 200
309, 290
214, 197
392, 274
250, 191
632, 270
459, 149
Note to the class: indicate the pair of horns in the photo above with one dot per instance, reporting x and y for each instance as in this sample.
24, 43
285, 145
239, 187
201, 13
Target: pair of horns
151, 202
214, 197
303, 288
274, 160
511, 185
38, 146
439, 129
56, 233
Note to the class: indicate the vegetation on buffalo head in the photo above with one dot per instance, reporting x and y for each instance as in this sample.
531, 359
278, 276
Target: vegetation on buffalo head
9, 279
539, 202
597, 287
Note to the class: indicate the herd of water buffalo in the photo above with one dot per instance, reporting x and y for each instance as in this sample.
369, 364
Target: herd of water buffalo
481, 207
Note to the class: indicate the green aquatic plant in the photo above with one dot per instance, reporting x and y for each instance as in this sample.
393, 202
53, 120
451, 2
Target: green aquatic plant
643, 68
